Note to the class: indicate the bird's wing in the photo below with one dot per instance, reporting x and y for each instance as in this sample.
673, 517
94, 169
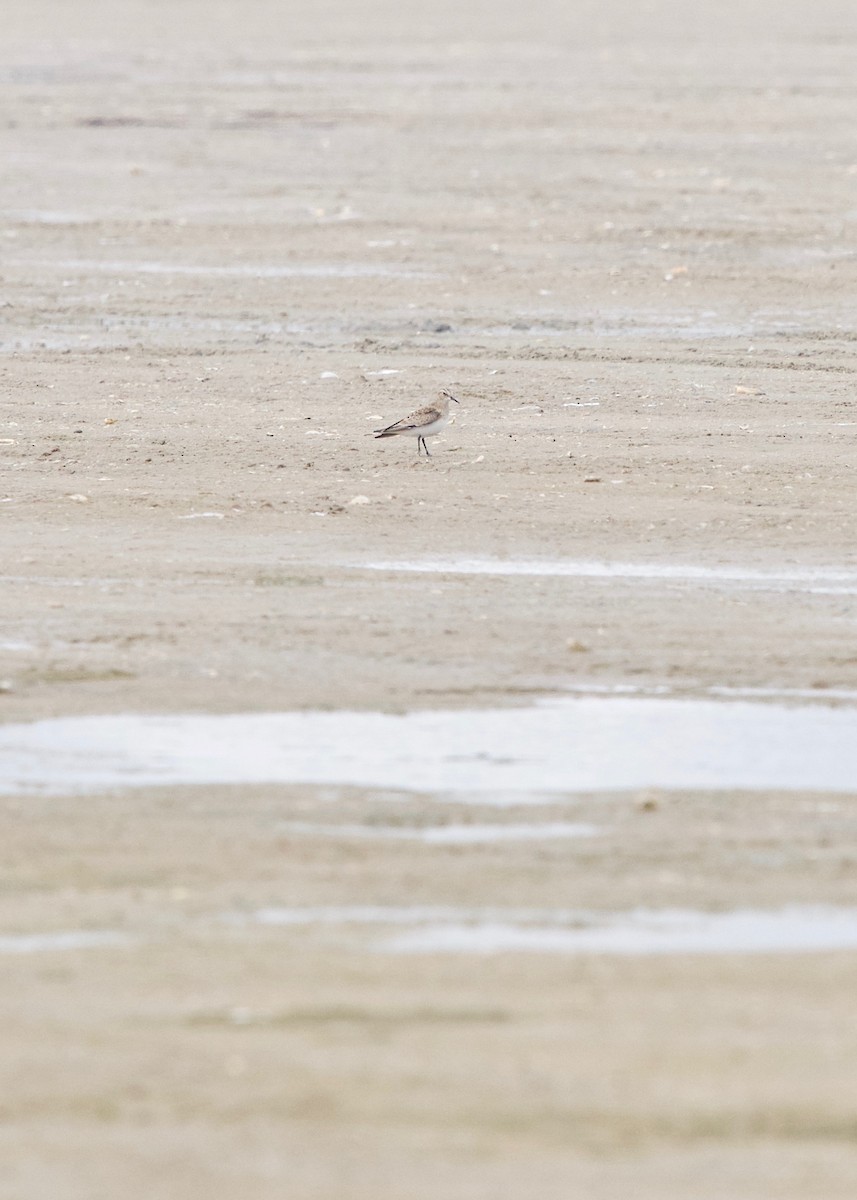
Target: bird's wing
415, 420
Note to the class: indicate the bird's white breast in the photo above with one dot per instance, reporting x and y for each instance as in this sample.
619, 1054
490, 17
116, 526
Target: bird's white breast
435, 426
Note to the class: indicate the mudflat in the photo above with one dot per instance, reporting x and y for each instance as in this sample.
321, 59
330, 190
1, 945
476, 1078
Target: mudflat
236, 240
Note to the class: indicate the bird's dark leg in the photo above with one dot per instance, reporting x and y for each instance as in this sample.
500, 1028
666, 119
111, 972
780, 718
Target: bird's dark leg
425, 447
419, 445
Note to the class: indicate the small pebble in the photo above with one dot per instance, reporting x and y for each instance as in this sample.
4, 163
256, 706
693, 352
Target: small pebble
647, 802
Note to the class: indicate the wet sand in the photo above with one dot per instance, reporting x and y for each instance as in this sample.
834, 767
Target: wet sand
235, 241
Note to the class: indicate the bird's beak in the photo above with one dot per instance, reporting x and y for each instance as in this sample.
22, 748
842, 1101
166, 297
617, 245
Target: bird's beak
451, 397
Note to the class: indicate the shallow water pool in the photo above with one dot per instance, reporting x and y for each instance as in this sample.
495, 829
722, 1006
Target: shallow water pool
573, 744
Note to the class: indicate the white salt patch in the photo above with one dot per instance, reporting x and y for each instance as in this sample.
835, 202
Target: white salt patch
37, 943
38, 216
238, 270
450, 835
793, 930
838, 580
466, 835
200, 516
821, 694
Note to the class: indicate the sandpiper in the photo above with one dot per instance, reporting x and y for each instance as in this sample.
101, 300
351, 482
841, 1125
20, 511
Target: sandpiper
423, 423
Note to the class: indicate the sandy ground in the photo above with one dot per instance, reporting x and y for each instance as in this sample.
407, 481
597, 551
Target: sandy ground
235, 240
